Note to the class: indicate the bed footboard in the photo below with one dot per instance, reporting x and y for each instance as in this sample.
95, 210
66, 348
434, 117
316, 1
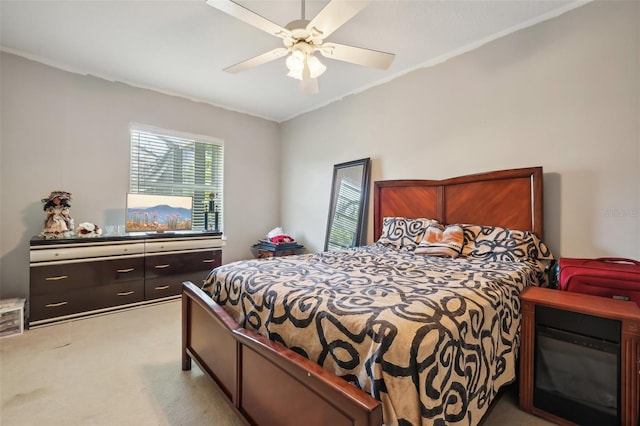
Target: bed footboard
263, 381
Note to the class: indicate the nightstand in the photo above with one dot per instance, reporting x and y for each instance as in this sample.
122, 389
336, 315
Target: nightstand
579, 358
265, 249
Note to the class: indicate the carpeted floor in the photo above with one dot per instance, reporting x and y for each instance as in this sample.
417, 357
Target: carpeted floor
124, 369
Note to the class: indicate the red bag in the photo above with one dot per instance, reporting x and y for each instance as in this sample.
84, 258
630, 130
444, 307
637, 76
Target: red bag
608, 277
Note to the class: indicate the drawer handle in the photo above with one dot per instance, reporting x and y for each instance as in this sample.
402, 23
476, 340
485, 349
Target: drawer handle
166, 265
126, 293
58, 278
208, 261
124, 271
55, 305
162, 287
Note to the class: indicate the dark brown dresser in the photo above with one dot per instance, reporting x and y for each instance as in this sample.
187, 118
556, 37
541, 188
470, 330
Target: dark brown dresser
78, 277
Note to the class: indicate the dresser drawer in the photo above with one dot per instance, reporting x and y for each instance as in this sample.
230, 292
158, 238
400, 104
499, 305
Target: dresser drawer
62, 278
119, 293
155, 288
165, 265
85, 250
52, 305
67, 277
120, 270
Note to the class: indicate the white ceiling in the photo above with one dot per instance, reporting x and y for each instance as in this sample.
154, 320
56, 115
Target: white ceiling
180, 47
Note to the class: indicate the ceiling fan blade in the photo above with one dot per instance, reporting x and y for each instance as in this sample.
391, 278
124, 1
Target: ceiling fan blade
333, 16
357, 55
242, 13
258, 60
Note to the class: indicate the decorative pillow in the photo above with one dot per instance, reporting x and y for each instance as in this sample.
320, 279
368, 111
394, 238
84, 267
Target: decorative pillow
439, 242
403, 233
496, 243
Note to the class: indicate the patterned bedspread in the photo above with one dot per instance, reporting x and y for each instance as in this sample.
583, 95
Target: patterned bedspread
432, 338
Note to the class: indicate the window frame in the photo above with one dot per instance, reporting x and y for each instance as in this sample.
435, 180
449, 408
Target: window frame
199, 192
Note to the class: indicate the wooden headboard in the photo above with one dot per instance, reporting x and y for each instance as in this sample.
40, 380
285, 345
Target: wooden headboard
506, 198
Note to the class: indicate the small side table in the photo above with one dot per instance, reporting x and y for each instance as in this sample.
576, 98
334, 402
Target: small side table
265, 249
579, 308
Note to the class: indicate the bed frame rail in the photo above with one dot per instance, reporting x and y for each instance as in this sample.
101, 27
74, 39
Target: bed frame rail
264, 382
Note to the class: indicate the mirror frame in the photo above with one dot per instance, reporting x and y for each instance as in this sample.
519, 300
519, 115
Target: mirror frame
365, 166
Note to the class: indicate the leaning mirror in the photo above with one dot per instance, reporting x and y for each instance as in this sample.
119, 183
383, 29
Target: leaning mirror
348, 205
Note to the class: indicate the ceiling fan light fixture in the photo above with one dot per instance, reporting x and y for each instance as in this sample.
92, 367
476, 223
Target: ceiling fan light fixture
295, 64
316, 68
302, 66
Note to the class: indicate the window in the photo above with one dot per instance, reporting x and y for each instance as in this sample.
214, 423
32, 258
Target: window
166, 162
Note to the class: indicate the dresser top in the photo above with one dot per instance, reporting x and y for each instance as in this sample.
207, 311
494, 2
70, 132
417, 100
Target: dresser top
38, 241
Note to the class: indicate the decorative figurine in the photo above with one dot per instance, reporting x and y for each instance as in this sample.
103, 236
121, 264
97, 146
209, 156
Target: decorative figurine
88, 230
216, 216
59, 223
210, 207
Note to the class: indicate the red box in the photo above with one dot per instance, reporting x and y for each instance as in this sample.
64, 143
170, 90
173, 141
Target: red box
607, 277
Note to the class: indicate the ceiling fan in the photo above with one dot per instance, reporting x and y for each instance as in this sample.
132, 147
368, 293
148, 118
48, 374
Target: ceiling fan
302, 38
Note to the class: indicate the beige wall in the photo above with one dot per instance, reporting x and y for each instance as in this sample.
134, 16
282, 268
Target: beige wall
70, 132
564, 95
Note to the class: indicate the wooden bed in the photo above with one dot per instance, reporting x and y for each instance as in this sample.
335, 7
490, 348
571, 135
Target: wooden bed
266, 383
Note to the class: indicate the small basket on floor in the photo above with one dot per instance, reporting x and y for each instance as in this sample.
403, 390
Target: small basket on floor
11, 317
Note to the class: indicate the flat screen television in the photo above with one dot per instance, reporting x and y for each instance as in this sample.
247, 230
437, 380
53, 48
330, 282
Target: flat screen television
158, 213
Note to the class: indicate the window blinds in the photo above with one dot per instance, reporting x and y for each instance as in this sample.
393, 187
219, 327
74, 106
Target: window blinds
171, 163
